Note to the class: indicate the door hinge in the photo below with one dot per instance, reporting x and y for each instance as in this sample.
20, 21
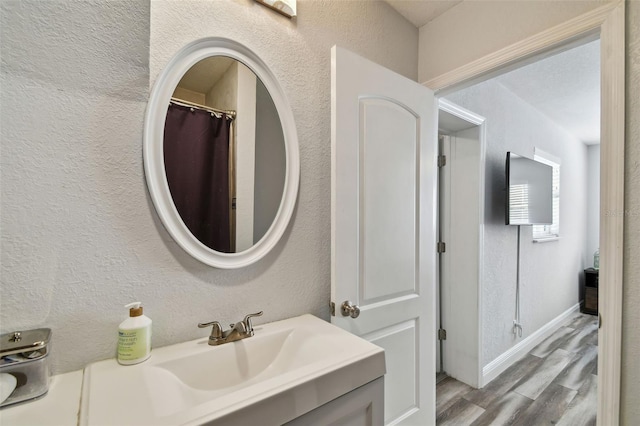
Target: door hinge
333, 309
441, 247
442, 160
442, 334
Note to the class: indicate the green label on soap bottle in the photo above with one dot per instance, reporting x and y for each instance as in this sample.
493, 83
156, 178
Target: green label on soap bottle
133, 344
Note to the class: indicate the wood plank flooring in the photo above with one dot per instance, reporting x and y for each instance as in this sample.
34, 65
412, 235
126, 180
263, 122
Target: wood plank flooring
554, 384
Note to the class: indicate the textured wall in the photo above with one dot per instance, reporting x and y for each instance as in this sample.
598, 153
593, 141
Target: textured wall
548, 272
630, 400
473, 29
80, 237
77, 229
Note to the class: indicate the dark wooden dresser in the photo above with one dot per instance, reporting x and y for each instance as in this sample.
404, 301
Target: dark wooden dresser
589, 292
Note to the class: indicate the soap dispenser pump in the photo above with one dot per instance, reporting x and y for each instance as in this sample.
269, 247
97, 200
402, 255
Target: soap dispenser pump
134, 336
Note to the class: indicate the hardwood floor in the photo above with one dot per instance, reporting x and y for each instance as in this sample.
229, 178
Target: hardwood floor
554, 384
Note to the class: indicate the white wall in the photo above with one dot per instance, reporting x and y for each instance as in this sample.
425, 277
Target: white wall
245, 128
593, 202
80, 237
473, 29
270, 169
549, 272
189, 95
224, 93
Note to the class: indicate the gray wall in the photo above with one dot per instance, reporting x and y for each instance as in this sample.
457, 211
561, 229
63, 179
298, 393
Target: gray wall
549, 271
80, 237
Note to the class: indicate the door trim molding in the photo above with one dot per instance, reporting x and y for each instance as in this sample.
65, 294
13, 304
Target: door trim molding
480, 122
571, 30
609, 22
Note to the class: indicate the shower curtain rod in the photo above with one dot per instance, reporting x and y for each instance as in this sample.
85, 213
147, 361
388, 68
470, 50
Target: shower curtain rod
231, 114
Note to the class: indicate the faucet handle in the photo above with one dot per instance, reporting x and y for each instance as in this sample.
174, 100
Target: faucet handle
247, 321
216, 331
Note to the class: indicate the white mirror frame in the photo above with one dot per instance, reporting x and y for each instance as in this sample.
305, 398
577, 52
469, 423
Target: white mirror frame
153, 153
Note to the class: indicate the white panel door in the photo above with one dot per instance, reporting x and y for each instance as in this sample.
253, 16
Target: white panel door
383, 225
461, 203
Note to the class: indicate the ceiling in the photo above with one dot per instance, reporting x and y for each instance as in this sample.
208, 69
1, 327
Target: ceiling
203, 75
419, 12
564, 87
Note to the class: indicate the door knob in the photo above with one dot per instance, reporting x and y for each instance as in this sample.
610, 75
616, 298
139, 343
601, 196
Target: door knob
350, 310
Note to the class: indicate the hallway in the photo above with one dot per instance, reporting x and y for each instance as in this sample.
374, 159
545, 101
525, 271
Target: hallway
555, 383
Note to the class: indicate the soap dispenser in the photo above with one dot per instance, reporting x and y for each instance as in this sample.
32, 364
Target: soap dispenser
134, 336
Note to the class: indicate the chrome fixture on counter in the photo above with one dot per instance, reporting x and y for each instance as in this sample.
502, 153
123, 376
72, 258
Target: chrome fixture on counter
238, 331
24, 365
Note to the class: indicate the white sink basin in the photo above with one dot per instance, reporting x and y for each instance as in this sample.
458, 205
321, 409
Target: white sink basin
293, 365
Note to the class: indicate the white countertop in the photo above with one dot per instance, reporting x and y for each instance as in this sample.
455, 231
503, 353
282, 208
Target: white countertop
59, 407
313, 363
292, 366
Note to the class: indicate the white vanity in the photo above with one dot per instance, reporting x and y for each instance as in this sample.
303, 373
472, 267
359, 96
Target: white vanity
286, 370
301, 370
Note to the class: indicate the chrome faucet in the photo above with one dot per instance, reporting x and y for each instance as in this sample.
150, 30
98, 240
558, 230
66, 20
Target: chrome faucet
238, 331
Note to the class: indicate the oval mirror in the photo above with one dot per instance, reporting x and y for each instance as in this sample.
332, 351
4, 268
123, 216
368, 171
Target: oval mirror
221, 153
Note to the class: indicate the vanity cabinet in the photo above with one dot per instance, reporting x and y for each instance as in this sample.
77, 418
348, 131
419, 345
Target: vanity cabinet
362, 406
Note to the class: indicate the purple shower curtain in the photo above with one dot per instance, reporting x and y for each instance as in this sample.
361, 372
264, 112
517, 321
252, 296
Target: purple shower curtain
196, 157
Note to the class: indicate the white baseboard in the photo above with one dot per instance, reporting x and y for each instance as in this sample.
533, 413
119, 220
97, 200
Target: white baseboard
508, 358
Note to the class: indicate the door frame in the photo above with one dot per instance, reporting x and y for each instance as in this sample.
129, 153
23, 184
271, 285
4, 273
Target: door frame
609, 22
450, 322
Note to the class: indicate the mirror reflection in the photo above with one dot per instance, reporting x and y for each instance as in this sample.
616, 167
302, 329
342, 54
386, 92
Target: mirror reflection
224, 154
